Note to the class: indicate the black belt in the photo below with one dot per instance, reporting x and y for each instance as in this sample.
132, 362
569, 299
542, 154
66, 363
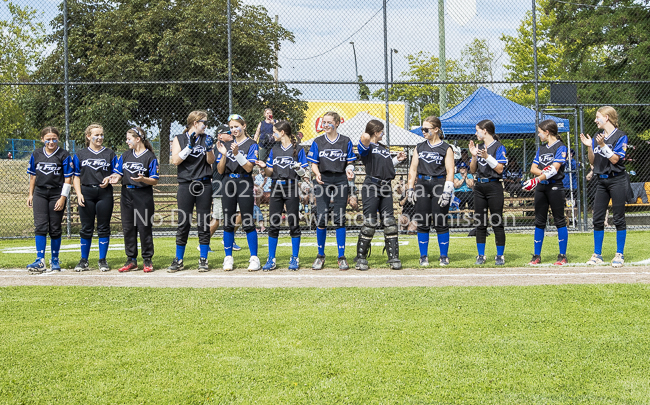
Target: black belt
485, 180
204, 178
614, 174
424, 177
547, 181
134, 187
91, 185
237, 176
378, 180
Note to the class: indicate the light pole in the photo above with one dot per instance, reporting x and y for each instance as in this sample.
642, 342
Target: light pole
392, 51
442, 58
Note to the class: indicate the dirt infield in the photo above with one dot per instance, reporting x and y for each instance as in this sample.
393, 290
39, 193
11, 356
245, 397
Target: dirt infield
433, 277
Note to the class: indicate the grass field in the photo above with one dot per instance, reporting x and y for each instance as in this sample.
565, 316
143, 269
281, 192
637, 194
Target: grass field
462, 251
586, 344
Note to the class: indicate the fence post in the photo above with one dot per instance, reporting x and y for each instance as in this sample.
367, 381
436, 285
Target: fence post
585, 200
66, 85
536, 73
229, 13
386, 76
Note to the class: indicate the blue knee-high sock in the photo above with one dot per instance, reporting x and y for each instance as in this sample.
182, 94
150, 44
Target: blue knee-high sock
423, 243
180, 252
41, 242
340, 241
55, 246
563, 239
620, 241
251, 237
204, 251
273, 247
598, 242
228, 240
480, 247
103, 247
85, 248
539, 240
500, 250
295, 246
443, 243
321, 235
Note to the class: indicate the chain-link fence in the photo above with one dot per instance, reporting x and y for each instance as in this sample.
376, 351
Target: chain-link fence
137, 62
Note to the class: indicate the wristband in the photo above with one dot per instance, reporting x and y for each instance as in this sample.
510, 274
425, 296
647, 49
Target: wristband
185, 152
65, 191
606, 151
395, 161
241, 159
300, 171
491, 161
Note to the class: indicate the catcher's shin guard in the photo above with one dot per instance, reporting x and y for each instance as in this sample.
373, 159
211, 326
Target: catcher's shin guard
363, 245
392, 243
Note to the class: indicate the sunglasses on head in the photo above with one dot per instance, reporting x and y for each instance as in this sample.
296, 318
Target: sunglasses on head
235, 117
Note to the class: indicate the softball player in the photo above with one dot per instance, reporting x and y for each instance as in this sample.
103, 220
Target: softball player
328, 156
138, 168
93, 167
433, 165
606, 153
548, 167
51, 171
193, 155
488, 162
377, 195
285, 166
235, 161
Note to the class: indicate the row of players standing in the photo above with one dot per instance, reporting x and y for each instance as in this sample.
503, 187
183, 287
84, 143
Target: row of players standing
331, 156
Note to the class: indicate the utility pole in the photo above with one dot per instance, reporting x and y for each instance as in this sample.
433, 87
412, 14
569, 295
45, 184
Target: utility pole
442, 58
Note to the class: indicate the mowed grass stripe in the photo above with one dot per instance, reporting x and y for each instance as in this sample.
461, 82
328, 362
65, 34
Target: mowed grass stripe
543, 344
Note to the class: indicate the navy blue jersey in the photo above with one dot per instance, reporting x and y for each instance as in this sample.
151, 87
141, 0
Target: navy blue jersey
131, 165
431, 158
496, 150
248, 147
377, 160
196, 165
617, 142
549, 154
93, 166
281, 161
331, 156
50, 170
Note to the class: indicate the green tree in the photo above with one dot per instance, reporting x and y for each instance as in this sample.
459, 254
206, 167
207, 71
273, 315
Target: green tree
425, 67
521, 63
143, 40
364, 91
21, 44
477, 62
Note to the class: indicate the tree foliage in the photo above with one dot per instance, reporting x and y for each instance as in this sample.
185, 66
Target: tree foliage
143, 40
21, 44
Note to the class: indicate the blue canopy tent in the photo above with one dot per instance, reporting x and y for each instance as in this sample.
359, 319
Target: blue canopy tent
512, 121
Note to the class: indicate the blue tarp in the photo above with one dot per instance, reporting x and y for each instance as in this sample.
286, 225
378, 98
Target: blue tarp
512, 121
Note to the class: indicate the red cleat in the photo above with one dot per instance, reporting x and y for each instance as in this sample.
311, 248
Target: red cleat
561, 260
128, 266
148, 266
537, 259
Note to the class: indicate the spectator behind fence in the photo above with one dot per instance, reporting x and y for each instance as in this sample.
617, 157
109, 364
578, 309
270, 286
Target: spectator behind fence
264, 185
464, 186
512, 180
264, 134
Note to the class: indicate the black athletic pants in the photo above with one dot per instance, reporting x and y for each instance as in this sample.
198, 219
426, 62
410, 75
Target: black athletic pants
377, 198
137, 217
238, 191
46, 220
98, 203
190, 194
427, 210
550, 195
614, 188
281, 195
331, 199
489, 196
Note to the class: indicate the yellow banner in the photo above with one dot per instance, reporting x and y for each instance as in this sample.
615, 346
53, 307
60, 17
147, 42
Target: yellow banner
313, 126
